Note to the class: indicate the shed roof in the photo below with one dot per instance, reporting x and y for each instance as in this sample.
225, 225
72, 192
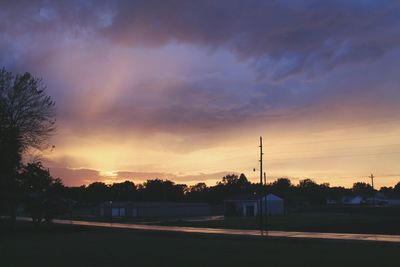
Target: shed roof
272, 197
243, 197
153, 204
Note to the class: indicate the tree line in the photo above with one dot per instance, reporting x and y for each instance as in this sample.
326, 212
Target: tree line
306, 191
45, 197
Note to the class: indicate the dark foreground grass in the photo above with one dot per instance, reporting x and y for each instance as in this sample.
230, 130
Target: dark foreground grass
81, 246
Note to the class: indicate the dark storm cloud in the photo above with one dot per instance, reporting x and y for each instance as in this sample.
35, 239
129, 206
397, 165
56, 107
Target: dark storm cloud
293, 36
286, 37
282, 37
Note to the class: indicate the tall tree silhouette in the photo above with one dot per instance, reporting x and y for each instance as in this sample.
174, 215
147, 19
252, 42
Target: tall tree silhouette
27, 119
396, 188
282, 187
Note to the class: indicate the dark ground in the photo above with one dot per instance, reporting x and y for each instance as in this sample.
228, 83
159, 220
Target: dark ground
378, 220
62, 245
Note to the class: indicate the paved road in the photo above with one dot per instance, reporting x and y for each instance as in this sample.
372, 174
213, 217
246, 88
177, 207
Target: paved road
280, 234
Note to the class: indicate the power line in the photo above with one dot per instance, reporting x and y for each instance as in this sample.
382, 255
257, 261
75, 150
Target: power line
349, 127
334, 150
334, 140
342, 156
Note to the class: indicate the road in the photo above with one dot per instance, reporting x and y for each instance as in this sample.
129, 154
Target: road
236, 232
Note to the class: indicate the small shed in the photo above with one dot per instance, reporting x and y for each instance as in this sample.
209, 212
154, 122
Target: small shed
249, 205
273, 205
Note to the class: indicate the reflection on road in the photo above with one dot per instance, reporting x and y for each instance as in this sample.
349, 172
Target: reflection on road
282, 234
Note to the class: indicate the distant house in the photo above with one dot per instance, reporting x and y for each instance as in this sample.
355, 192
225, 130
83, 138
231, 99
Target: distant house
152, 209
332, 201
384, 199
248, 205
394, 201
349, 200
378, 199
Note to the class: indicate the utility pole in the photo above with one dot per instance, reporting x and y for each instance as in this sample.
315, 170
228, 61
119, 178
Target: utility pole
266, 204
373, 189
261, 187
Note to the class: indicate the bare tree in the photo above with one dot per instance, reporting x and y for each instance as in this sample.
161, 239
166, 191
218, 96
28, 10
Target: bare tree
27, 119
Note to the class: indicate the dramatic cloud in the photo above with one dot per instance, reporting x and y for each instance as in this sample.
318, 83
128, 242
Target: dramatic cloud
162, 87
282, 37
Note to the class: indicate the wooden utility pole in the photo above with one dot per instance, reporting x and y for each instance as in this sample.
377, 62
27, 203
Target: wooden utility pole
261, 187
372, 180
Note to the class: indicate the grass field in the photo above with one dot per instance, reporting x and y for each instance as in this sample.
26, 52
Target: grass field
345, 221
81, 246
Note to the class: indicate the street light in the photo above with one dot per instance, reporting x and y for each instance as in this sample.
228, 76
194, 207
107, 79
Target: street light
263, 211
111, 211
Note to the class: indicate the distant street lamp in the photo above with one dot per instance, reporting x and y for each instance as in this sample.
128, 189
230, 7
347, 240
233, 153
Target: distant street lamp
111, 211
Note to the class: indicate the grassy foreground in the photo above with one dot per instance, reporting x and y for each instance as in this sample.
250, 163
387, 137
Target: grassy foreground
82, 246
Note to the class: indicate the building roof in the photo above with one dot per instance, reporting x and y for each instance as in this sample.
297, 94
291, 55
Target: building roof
272, 197
152, 204
243, 197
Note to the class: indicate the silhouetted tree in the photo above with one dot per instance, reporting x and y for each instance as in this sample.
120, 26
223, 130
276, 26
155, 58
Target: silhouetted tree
76, 193
230, 185
198, 192
163, 190
312, 191
386, 190
230, 179
43, 195
307, 191
199, 187
26, 120
282, 187
396, 188
123, 191
363, 189
97, 192
338, 192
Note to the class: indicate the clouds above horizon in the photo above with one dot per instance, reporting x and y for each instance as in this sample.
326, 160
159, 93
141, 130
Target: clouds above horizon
181, 77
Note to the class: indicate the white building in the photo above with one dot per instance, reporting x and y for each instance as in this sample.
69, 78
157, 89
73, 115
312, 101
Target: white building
248, 205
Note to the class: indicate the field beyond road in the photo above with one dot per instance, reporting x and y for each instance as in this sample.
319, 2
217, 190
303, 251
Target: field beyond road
357, 220
64, 245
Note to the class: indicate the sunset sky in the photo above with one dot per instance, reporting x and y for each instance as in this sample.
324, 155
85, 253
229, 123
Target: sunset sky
182, 90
